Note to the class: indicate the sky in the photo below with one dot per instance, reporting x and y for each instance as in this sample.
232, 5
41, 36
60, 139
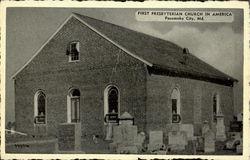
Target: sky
219, 44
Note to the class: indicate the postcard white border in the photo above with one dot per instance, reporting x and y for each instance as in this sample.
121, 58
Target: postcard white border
147, 4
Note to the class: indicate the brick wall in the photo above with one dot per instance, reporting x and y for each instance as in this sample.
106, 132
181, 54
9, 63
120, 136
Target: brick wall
51, 71
196, 101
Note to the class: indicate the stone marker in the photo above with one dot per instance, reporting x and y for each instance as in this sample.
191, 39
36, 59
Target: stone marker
109, 133
140, 140
155, 140
239, 147
69, 137
220, 128
205, 128
189, 129
240, 117
125, 136
126, 119
172, 127
209, 142
200, 144
177, 140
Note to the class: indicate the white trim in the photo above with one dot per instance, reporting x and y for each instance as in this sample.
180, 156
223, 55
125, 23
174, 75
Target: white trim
36, 106
38, 51
114, 43
69, 107
178, 97
78, 49
92, 28
178, 103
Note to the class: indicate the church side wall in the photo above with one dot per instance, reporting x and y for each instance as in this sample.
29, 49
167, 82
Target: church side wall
51, 72
196, 102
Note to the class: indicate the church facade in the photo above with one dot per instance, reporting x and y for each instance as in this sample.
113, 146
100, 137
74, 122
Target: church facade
90, 69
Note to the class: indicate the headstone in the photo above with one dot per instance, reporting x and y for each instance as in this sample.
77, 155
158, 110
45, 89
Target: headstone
240, 117
200, 144
177, 140
205, 128
234, 139
69, 137
140, 140
209, 142
125, 135
220, 129
189, 129
239, 147
155, 140
126, 119
109, 131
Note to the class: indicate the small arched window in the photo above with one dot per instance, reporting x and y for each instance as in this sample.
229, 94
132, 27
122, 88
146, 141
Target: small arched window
74, 106
40, 108
73, 51
111, 103
176, 105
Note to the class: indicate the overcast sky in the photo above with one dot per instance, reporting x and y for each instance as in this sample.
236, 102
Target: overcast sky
219, 44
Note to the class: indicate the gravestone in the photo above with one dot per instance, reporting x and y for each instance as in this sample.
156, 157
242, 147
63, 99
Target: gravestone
109, 131
220, 128
205, 128
155, 140
200, 144
140, 140
125, 135
209, 142
177, 140
240, 117
69, 137
234, 139
239, 147
189, 129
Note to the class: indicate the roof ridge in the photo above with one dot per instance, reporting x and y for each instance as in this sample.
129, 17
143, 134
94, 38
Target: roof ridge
163, 40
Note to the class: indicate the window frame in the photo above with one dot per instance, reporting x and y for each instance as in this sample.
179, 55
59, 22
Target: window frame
177, 98
106, 100
37, 94
70, 97
69, 50
215, 95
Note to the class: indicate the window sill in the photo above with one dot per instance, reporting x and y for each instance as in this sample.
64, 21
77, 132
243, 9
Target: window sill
40, 124
76, 61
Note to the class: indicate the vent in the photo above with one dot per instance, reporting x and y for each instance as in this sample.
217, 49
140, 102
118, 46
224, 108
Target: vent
185, 52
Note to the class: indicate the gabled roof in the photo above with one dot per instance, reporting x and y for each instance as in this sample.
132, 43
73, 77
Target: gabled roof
165, 57
161, 56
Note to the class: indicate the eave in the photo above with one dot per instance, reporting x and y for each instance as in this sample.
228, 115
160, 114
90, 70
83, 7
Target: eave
165, 71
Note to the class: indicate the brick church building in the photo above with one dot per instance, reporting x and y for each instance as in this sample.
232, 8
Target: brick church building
89, 69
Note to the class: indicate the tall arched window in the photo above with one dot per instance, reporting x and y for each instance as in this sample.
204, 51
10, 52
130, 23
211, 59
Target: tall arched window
74, 106
111, 101
176, 105
40, 108
216, 106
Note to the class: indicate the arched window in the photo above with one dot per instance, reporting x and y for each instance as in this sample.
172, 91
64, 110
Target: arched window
111, 102
73, 106
40, 108
176, 105
216, 106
